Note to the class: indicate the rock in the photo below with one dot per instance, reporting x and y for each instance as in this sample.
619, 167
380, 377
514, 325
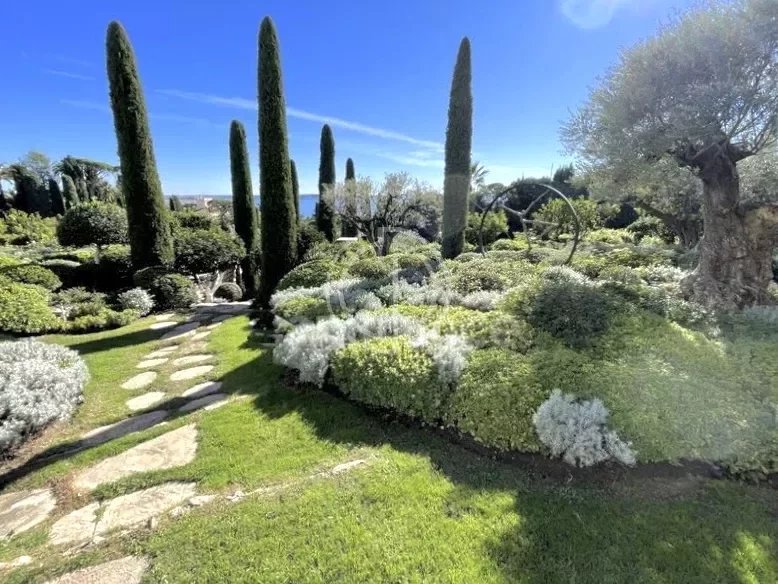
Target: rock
148, 363
16, 563
163, 325
24, 510
191, 359
202, 389
236, 496
75, 527
191, 373
345, 467
178, 511
180, 332
141, 380
200, 500
170, 450
122, 428
152, 523
136, 509
207, 402
200, 336
143, 401
127, 570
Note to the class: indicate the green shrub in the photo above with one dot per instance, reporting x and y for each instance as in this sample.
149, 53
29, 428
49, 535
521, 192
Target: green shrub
313, 273
72, 274
113, 268
105, 319
204, 251
303, 309
308, 237
82, 256
146, 277
24, 309
372, 268
649, 226
173, 292
77, 302
190, 219
517, 244
495, 225
31, 274
388, 372
93, 224
476, 275
8, 261
557, 212
341, 252
486, 329
229, 291
20, 228
611, 236
496, 398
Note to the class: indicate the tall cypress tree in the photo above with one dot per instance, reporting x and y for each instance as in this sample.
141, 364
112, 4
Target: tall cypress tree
295, 190
350, 170
279, 224
69, 191
459, 136
55, 195
175, 203
243, 210
151, 241
325, 217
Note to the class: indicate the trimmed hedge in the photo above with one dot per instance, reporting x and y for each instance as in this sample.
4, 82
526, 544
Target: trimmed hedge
173, 292
310, 274
24, 309
93, 224
31, 274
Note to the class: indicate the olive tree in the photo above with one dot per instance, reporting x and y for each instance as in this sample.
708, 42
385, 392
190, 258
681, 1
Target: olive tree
703, 91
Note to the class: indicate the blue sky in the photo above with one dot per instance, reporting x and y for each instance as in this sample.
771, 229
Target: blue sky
378, 72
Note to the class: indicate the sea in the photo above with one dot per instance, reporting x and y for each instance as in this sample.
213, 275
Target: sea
307, 201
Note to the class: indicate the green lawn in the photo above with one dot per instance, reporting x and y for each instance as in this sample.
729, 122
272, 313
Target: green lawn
420, 510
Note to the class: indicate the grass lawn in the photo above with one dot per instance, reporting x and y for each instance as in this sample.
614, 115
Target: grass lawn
420, 510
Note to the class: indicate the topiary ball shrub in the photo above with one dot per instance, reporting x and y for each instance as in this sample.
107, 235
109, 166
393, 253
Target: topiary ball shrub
136, 299
229, 291
31, 274
204, 251
477, 275
311, 274
372, 268
112, 269
41, 383
192, 220
93, 224
174, 292
390, 373
25, 310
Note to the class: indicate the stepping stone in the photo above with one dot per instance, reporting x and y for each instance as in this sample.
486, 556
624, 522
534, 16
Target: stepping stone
170, 450
180, 332
191, 359
165, 316
212, 326
160, 353
198, 346
24, 510
127, 570
135, 509
75, 527
202, 389
201, 335
123, 427
16, 563
151, 363
143, 401
191, 373
163, 325
140, 381
209, 402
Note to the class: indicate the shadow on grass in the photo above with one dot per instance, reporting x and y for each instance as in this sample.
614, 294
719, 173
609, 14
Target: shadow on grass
118, 341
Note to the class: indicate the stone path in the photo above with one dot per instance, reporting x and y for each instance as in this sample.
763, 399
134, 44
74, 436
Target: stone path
24, 510
191, 359
148, 363
144, 401
127, 570
140, 381
163, 325
122, 428
208, 402
191, 373
202, 389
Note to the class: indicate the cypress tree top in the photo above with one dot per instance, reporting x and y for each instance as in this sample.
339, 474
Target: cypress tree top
295, 189
243, 211
350, 170
459, 133
327, 160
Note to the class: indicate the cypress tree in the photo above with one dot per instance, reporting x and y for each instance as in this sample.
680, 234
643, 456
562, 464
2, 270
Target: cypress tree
243, 210
151, 241
69, 191
459, 136
279, 225
295, 190
175, 203
55, 195
325, 217
347, 228
350, 170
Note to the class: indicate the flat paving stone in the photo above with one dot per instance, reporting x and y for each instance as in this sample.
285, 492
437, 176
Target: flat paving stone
209, 402
24, 510
162, 325
180, 332
140, 381
160, 353
201, 335
165, 316
191, 359
135, 509
170, 450
123, 427
127, 570
191, 373
148, 363
144, 401
75, 527
202, 389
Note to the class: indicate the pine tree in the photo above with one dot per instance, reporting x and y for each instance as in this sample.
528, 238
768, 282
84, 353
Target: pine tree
69, 191
279, 225
459, 135
55, 195
350, 175
295, 190
243, 209
325, 217
151, 241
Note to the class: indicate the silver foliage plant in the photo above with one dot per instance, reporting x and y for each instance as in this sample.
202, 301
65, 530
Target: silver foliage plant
136, 299
39, 384
577, 431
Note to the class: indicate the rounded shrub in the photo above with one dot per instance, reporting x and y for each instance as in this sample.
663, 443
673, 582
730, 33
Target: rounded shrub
308, 236
77, 302
70, 273
390, 373
203, 251
112, 269
7, 261
478, 275
136, 299
173, 292
103, 319
145, 277
303, 309
31, 274
190, 219
24, 309
93, 224
372, 268
517, 244
230, 291
41, 383
311, 274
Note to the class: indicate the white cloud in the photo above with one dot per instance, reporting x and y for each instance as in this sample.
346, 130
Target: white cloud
590, 14
68, 74
247, 104
95, 106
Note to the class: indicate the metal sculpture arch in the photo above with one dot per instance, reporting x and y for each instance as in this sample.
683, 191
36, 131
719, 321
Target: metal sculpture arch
498, 202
